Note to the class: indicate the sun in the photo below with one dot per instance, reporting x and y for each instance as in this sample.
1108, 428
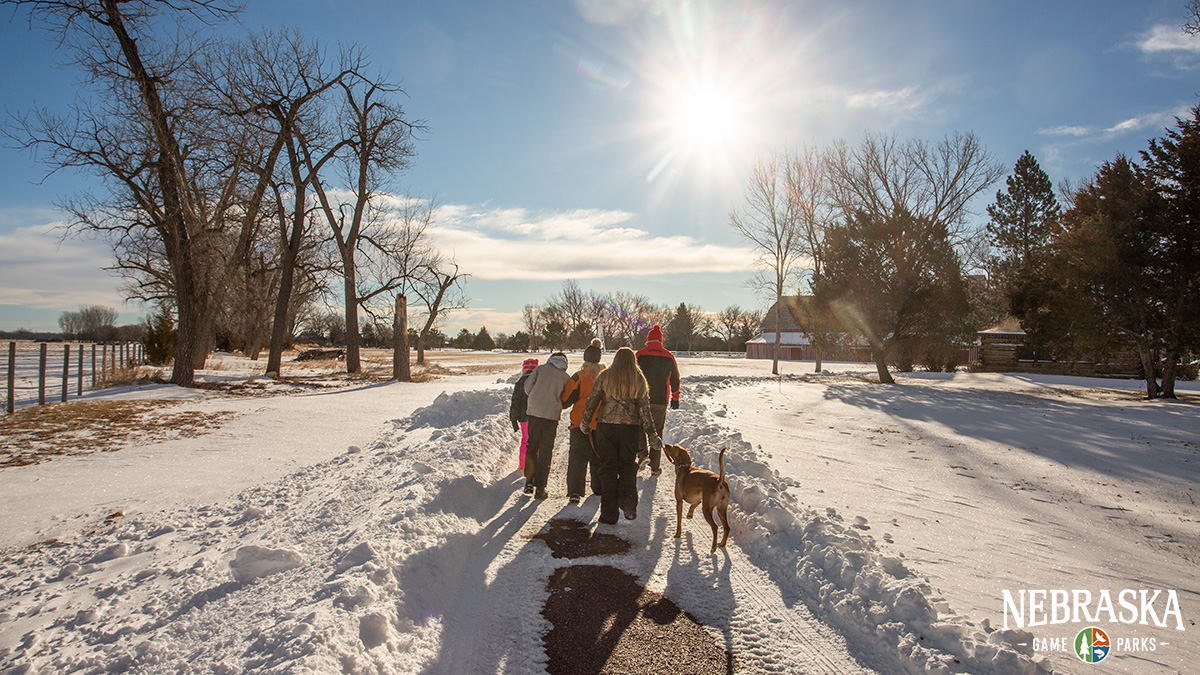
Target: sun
702, 125
706, 118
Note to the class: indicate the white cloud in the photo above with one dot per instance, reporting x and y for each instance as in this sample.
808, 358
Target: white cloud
516, 244
906, 101
1064, 130
496, 321
41, 270
1153, 121
1166, 38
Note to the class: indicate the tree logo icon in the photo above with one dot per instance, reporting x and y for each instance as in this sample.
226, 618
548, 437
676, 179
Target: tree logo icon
1092, 645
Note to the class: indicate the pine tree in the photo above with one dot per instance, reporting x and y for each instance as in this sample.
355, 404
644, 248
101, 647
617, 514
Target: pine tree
159, 337
1174, 163
1102, 286
483, 341
1023, 219
681, 330
895, 281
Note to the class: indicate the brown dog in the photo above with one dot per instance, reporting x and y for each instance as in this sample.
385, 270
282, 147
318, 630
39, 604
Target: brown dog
699, 488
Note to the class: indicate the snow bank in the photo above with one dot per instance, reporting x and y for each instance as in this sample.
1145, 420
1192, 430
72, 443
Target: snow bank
836, 568
334, 568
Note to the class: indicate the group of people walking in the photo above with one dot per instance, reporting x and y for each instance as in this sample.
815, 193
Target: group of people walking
617, 416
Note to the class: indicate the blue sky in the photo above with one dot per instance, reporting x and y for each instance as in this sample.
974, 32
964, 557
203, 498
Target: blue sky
564, 139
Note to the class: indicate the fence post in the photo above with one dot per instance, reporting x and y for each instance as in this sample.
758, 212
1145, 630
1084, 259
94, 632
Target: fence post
66, 379
93, 365
42, 375
79, 373
12, 373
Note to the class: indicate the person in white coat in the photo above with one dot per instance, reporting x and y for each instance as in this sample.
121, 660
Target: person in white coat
544, 387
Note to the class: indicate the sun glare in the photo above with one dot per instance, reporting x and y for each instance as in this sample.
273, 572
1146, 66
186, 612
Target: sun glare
706, 119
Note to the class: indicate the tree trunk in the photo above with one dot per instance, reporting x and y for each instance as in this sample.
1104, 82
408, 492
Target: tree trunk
1147, 357
206, 335
420, 349
778, 337
350, 297
880, 355
287, 274
817, 354
400, 365
1170, 367
183, 371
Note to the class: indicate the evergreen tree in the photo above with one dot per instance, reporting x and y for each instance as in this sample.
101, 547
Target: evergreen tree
1173, 162
1023, 219
463, 340
1100, 290
681, 329
897, 282
482, 341
518, 342
159, 337
555, 336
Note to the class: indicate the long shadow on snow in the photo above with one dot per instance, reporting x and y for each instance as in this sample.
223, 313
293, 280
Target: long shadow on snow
442, 581
1075, 434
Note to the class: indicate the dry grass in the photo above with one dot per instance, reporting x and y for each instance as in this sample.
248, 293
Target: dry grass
35, 435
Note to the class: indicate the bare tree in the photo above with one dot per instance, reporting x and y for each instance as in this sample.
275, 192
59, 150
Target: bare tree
1192, 25
141, 135
884, 176
97, 323
71, 325
379, 145
730, 325
572, 307
904, 207
768, 220
628, 316
439, 289
535, 324
808, 190
287, 77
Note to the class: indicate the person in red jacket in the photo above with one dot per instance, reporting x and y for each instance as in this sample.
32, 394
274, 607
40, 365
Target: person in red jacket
662, 374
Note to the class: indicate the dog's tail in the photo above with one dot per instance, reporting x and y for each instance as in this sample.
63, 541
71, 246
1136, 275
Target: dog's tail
721, 459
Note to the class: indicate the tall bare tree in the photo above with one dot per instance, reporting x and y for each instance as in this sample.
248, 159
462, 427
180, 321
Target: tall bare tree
140, 133
379, 145
808, 190
439, 287
768, 220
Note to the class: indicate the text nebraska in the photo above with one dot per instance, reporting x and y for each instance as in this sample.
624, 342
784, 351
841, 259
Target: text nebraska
1040, 607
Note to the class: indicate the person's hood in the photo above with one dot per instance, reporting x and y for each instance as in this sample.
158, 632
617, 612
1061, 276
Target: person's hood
557, 361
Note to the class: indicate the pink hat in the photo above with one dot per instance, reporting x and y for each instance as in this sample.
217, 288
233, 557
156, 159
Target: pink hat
529, 365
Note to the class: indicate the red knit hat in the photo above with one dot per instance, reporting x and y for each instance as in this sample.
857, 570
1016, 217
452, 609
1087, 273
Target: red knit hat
655, 334
529, 365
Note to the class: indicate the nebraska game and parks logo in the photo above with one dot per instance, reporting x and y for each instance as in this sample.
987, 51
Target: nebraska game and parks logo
1151, 608
1091, 645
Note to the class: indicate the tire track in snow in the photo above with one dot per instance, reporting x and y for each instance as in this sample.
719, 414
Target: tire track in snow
766, 632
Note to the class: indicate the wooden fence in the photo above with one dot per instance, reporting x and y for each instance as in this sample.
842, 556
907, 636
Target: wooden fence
41, 372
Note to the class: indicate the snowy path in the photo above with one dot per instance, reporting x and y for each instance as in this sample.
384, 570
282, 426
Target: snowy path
485, 612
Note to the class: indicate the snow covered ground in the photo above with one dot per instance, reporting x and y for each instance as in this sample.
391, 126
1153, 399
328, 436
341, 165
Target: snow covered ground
377, 527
